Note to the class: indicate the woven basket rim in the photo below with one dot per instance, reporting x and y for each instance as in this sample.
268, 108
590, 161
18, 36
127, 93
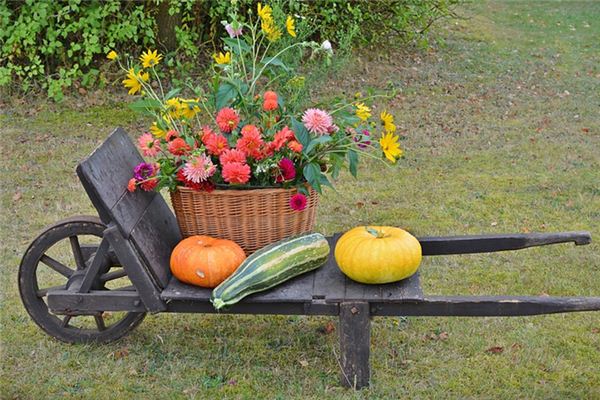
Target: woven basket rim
237, 192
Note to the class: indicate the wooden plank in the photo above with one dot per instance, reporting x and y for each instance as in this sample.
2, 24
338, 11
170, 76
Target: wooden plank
136, 269
487, 306
105, 173
130, 208
329, 281
298, 289
406, 289
355, 342
285, 308
66, 301
155, 235
433, 246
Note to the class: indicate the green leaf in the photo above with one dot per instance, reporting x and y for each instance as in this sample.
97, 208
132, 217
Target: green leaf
300, 132
313, 143
145, 106
276, 62
225, 94
312, 174
240, 47
353, 162
172, 93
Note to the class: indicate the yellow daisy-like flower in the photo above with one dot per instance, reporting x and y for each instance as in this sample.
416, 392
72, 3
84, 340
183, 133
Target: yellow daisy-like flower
271, 31
265, 12
290, 26
222, 58
156, 131
187, 109
390, 146
362, 111
150, 58
112, 55
387, 120
174, 107
134, 81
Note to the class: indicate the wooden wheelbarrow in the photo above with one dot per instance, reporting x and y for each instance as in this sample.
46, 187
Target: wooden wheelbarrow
116, 269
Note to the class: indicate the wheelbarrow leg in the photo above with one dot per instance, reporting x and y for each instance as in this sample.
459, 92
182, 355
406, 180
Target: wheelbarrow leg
355, 340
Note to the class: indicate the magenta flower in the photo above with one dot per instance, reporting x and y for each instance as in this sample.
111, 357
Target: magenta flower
143, 171
287, 169
233, 33
298, 202
317, 121
363, 139
199, 169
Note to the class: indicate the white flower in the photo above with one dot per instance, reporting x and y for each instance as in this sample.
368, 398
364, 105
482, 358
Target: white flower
326, 45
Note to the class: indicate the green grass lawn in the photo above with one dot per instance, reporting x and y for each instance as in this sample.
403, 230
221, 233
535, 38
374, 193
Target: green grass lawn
502, 135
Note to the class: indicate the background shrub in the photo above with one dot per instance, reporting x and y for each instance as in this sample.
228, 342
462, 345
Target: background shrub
55, 45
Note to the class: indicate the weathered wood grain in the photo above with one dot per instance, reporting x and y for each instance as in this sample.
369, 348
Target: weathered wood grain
355, 343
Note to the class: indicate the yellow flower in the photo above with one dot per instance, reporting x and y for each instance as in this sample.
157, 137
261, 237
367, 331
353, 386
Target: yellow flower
150, 58
112, 55
268, 26
390, 146
157, 131
265, 12
222, 58
362, 111
187, 109
387, 120
174, 107
291, 28
134, 81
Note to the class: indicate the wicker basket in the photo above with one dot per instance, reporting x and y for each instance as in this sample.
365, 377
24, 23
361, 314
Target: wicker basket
252, 218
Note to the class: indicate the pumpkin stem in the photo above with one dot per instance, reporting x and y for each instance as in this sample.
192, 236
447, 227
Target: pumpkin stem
376, 233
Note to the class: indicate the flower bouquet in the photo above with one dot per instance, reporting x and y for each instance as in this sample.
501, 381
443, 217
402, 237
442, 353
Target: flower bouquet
241, 158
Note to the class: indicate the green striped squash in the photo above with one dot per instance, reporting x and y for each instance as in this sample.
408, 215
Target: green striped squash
271, 266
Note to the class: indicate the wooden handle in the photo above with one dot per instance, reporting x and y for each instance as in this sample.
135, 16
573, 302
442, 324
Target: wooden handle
434, 246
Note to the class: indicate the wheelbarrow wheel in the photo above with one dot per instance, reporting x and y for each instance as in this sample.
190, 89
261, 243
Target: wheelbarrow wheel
55, 260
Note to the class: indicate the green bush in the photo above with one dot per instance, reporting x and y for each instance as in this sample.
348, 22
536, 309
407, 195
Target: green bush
54, 45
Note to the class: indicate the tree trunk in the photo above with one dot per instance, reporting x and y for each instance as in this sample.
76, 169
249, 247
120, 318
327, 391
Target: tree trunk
166, 26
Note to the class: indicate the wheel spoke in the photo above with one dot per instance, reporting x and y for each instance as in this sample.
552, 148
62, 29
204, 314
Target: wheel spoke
57, 266
65, 321
44, 292
120, 273
77, 254
100, 322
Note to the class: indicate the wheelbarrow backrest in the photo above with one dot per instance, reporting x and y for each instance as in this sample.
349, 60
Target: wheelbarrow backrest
143, 218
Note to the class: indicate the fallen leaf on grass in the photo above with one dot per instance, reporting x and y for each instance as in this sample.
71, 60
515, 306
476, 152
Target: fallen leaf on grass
495, 350
17, 196
327, 329
304, 363
516, 346
595, 330
118, 354
586, 130
360, 204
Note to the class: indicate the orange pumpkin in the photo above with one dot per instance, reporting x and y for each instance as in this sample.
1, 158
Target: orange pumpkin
205, 261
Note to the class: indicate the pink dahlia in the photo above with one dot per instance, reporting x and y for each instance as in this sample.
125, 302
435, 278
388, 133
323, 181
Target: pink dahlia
178, 147
149, 145
216, 144
295, 146
317, 121
227, 119
282, 137
232, 156
298, 202
236, 172
199, 168
250, 142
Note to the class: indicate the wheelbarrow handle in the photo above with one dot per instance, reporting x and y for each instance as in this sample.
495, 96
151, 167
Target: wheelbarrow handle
435, 246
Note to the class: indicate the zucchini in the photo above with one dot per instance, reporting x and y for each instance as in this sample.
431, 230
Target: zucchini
272, 265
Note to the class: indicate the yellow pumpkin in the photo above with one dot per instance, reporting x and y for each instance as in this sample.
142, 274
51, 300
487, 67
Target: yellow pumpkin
378, 254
